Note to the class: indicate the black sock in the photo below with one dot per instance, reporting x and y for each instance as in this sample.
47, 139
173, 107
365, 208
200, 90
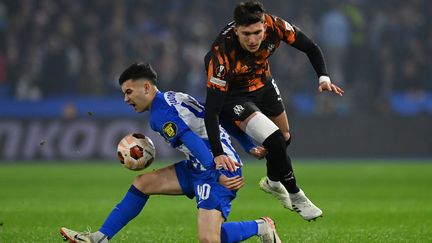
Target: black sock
279, 163
288, 179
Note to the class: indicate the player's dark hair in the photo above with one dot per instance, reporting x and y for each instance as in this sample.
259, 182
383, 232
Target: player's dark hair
137, 71
247, 13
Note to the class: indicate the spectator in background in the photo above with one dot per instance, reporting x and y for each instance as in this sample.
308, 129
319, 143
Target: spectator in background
335, 37
127, 30
91, 79
2, 66
54, 78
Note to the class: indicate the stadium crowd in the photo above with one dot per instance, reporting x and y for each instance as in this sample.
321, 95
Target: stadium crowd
58, 47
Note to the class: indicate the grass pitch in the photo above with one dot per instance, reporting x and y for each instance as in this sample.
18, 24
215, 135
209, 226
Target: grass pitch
363, 201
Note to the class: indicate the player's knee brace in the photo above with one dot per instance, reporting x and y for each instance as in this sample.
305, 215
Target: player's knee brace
260, 127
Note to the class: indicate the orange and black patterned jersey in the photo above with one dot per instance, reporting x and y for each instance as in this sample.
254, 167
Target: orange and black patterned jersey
230, 67
233, 70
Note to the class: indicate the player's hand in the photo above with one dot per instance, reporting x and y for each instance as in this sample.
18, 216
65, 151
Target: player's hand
225, 162
323, 86
231, 183
258, 152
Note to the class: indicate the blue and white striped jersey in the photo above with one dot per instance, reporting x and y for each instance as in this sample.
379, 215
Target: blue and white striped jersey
179, 118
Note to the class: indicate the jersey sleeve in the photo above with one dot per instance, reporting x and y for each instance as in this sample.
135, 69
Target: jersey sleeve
213, 106
198, 148
217, 66
296, 38
217, 85
313, 51
284, 30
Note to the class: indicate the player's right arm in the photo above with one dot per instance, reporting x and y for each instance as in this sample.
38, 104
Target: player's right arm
217, 87
198, 148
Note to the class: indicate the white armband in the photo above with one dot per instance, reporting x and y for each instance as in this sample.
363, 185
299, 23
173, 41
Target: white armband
324, 79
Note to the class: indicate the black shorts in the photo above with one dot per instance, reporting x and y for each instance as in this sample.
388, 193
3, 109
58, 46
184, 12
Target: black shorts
238, 107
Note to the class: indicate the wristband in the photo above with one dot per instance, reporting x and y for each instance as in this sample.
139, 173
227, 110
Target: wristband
322, 79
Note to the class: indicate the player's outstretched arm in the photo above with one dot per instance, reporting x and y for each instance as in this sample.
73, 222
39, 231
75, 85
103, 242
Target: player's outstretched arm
314, 53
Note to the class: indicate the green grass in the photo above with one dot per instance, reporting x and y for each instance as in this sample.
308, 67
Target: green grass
370, 201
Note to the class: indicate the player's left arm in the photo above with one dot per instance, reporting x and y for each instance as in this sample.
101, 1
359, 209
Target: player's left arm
295, 37
198, 148
303, 43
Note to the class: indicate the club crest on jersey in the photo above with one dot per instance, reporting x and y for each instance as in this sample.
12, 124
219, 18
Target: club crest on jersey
238, 109
220, 71
270, 47
169, 129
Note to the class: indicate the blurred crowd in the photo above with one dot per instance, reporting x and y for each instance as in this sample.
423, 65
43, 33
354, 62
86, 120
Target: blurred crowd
62, 47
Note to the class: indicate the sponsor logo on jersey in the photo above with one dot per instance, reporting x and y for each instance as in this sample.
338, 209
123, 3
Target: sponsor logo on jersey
217, 81
169, 129
270, 47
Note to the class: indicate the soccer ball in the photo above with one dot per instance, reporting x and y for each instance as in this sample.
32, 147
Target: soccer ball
136, 151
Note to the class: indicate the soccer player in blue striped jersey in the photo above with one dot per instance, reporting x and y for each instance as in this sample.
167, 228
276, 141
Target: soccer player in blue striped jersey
179, 118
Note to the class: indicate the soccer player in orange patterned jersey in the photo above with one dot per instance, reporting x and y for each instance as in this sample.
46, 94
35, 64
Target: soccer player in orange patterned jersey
241, 89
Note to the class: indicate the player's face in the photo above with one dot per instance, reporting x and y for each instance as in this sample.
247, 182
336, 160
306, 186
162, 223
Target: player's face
250, 36
137, 94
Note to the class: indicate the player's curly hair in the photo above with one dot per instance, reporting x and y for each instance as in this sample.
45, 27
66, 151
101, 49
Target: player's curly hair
247, 13
139, 70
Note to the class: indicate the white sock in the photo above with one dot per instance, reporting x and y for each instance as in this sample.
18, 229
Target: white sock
99, 237
261, 224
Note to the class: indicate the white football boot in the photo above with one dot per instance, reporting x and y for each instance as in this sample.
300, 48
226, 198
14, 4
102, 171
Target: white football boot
267, 230
303, 206
279, 192
82, 237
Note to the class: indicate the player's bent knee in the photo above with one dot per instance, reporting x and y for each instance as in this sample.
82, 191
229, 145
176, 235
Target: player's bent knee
286, 135
144, 183
138, 182
288, 141
260, 127
275, 142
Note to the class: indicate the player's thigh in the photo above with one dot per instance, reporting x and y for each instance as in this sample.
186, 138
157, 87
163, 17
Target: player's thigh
237, 109
281, 121
248, 117
270, 102
161, 181
209, 225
